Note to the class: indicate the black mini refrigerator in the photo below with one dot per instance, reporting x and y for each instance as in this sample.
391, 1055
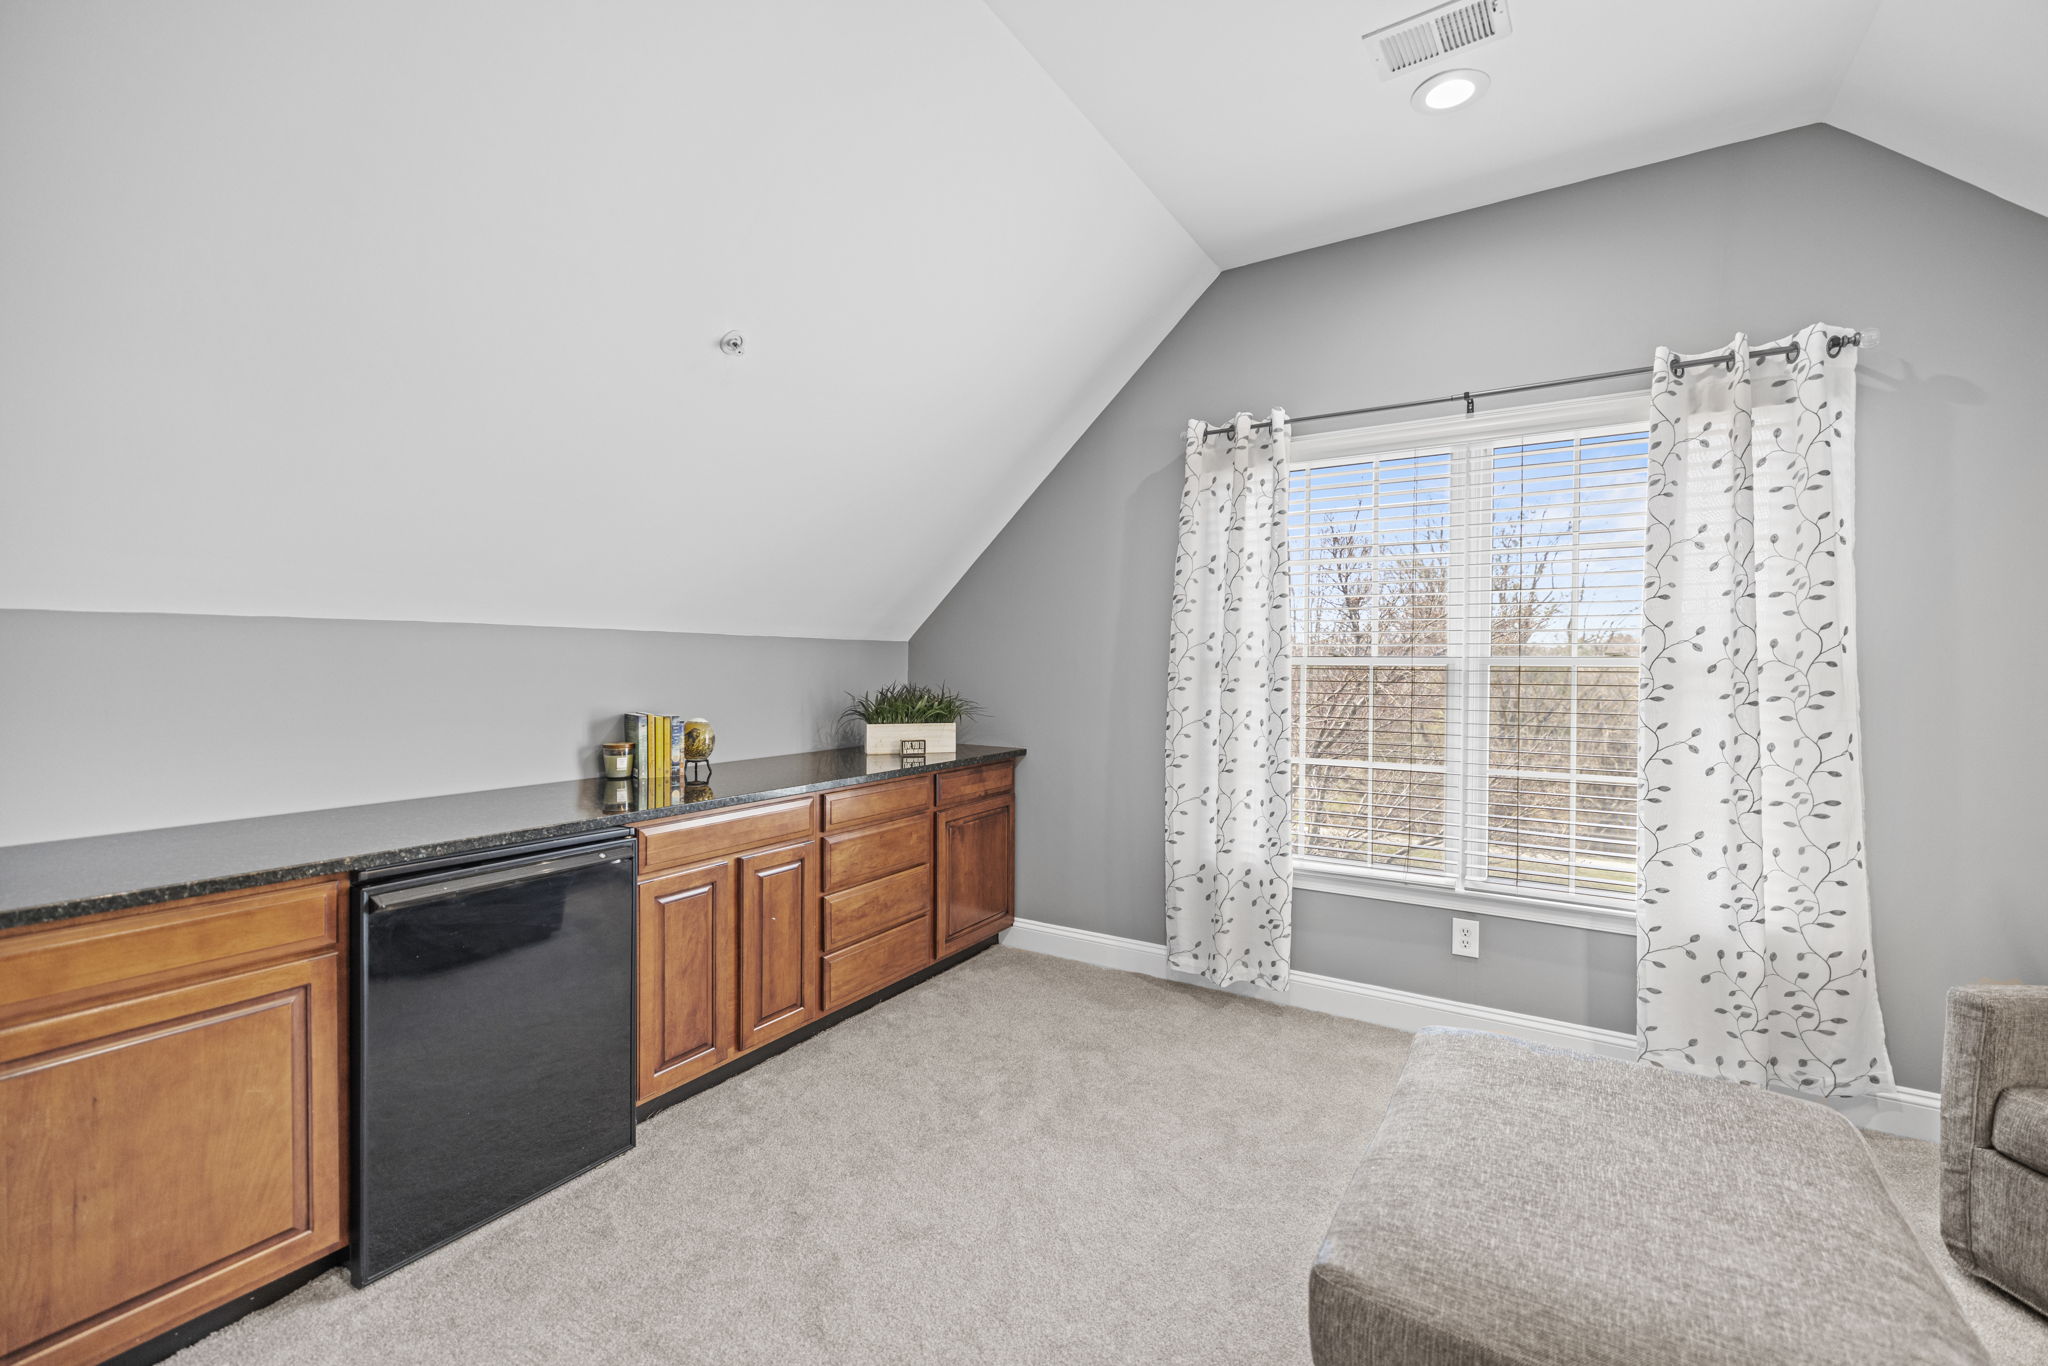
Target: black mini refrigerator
493, 1037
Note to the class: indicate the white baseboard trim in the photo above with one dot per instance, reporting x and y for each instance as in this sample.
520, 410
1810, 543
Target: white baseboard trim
1904, 1111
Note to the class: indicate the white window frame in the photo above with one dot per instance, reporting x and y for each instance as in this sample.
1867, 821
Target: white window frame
1622, 412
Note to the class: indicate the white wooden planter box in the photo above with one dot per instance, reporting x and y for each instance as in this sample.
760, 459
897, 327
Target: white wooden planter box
938, 739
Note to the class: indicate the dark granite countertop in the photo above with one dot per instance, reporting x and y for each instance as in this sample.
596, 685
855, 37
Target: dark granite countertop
65, 878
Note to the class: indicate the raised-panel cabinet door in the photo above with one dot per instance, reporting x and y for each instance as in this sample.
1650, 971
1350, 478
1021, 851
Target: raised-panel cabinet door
688, 1016
164, 1154
778, 915
976, 872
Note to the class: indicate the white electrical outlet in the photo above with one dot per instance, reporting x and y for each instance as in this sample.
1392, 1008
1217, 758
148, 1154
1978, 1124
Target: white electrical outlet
1465, 938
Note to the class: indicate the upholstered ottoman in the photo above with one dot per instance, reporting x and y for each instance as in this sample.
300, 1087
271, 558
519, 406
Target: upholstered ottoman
1522, 1206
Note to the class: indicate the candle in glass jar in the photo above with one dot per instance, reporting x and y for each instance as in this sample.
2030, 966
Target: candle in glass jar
618, 759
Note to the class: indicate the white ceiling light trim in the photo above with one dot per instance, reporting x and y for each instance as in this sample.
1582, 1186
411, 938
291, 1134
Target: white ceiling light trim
1448, 90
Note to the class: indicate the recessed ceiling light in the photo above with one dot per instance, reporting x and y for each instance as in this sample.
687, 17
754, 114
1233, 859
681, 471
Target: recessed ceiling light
1448, 89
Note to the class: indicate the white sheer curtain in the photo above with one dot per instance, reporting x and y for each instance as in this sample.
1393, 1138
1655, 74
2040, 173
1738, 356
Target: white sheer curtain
1229, 876
1754, 958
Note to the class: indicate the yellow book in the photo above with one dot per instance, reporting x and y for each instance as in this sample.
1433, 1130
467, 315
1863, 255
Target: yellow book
661, 782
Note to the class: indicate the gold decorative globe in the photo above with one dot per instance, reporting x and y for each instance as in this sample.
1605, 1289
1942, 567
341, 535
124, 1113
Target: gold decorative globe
698, 738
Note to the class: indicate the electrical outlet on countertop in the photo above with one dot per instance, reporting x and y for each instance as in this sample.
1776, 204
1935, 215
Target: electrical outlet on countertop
1464, 937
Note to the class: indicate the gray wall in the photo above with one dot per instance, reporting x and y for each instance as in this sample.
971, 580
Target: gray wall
124, 721
1060, 627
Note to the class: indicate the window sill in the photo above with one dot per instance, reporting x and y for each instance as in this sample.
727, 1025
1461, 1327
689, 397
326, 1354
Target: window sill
1328, 875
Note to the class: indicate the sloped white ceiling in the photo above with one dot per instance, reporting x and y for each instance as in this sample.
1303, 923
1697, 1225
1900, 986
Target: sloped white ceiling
408, 309
1266, 128
1959, 86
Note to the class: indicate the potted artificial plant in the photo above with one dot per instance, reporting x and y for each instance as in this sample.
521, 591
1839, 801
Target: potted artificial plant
910, 711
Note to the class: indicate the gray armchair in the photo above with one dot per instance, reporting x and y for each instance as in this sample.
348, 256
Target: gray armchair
1994, 1137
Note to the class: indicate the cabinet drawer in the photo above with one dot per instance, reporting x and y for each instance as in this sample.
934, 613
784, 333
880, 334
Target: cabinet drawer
958, 785
693, 839
852, 916
853, 973
869, 854
101, 955
876, 802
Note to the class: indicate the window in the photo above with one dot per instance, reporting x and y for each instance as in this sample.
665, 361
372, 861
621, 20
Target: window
1465, 604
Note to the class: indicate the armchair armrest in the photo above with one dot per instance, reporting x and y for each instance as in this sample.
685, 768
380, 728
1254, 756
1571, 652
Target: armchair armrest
1997, 1038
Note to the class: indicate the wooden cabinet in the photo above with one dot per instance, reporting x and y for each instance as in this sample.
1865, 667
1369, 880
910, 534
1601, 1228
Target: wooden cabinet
959, 785
778, 939
173, 1078
874, 963
861, 856
976, 872
760, 919
878, 890
171, 1128
861, 912
688, 984
877, 802
693, 839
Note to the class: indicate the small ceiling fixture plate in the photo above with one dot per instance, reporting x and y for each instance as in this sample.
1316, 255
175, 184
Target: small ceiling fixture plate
1448, 90
1437, 33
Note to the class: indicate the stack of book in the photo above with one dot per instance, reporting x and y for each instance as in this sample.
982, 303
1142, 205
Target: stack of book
657, 757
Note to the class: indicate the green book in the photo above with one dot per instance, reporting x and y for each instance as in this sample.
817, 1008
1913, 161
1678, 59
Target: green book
636, 734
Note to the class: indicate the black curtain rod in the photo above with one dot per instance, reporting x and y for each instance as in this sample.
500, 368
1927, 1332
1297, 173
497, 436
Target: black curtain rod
1678, 368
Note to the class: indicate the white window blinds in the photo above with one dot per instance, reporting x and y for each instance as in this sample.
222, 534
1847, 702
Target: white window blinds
1465, 661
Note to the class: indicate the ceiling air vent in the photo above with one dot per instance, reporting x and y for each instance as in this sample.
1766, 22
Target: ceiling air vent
1436, 33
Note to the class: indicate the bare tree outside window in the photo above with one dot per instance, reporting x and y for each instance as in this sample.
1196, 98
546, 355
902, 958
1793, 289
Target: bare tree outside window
1465, 644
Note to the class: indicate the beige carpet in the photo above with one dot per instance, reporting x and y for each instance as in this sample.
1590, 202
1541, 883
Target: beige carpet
1022, 1160
2013, 1333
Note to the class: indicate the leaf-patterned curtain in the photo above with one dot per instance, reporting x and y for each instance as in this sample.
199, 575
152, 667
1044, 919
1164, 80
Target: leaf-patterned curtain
1229, 875
1754, 952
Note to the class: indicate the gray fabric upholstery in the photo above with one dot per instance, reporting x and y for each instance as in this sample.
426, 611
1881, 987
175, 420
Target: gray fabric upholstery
1994, 1199
1529, 1207
2009, 1220
2019, 1126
